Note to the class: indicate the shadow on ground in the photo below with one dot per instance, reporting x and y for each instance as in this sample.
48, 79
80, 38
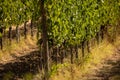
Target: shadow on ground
111, 70
26, 64
33, 62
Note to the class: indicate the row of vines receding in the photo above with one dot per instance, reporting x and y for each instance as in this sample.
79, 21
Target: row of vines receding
65, 25
73, 24
17, 17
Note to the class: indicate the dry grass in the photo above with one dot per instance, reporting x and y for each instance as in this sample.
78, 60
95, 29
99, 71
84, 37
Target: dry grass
98, 53
116, 77
17, 49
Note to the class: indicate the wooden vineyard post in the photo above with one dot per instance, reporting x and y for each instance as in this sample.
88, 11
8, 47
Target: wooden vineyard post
25, 29
1, 40
9, 34
45, 40
71, 52
31, 26
82, 47
76, 51
88, 46
17, 34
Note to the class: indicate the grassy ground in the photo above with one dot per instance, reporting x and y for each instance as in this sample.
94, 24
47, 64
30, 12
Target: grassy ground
98, 54
17, 49
65, 71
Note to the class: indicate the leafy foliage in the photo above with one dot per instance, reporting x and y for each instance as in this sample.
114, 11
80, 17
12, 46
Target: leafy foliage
76, 21
15, 12
71, 21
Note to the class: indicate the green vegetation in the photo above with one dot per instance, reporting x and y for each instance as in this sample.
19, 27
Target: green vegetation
90, 62
66, 27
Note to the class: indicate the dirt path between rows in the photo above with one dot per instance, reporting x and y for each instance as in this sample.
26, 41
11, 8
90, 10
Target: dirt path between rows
108, 69
15, 69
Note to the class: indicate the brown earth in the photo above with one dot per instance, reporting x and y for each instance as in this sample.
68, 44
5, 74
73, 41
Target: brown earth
108, 69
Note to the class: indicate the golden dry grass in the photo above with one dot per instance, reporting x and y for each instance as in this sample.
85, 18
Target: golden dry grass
17, 48
98, 53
